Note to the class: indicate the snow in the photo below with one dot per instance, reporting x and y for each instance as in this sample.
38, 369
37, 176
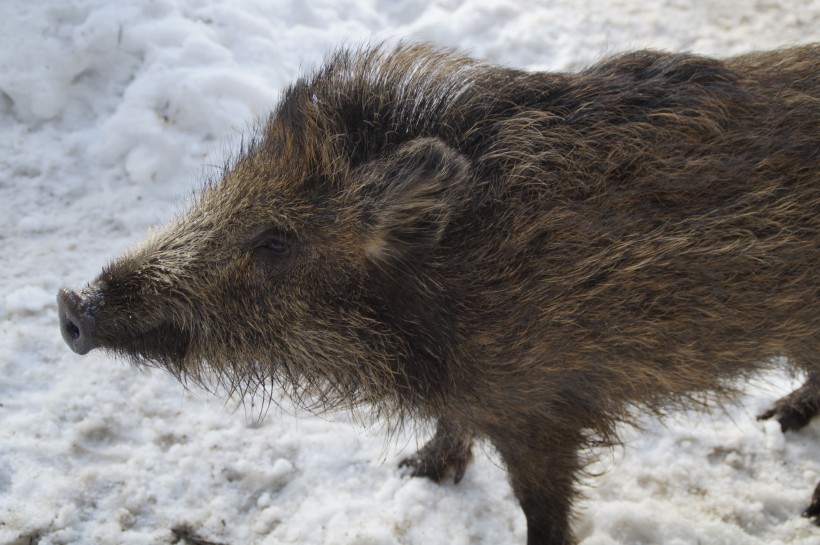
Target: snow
109, 114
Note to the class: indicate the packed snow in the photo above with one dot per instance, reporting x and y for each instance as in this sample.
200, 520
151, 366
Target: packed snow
109, 114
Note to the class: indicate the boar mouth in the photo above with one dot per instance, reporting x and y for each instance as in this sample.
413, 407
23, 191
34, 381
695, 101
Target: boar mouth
165, 345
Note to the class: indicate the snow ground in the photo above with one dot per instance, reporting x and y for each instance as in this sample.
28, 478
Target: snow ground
109, 112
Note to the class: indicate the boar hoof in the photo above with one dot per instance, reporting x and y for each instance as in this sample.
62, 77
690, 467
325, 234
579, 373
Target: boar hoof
447, 453
437, 464
813, 510
795, 410
790, 418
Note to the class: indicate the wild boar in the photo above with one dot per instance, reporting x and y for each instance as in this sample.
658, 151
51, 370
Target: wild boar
526, 257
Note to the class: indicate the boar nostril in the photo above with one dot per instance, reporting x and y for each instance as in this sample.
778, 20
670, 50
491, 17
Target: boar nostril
77, 323
70, 328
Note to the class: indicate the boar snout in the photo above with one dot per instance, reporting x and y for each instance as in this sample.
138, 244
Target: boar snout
77, 322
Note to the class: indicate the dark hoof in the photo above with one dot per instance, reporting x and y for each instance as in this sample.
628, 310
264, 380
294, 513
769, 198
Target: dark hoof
436, 465
790, 418
447, 453
813, 510
795, 410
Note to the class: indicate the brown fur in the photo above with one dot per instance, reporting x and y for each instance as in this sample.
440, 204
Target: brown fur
525, 256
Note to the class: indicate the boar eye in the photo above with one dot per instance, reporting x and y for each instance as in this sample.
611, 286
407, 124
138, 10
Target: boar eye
274, 246
272, 243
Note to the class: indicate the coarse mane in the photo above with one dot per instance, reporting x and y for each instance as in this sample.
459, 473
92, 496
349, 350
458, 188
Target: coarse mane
375, 98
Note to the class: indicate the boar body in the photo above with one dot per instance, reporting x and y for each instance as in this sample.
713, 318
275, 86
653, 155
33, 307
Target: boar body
526, 257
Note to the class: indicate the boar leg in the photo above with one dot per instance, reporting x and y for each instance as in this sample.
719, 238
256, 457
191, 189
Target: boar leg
795, 410
542, 474
813, 510
447, 453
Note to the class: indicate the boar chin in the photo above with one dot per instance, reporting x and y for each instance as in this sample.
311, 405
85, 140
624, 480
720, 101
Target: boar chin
164, 346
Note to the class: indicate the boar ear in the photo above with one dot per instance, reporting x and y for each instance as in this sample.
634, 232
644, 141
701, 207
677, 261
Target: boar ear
410, 196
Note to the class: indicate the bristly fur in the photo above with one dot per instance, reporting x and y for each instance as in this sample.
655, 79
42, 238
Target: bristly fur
527, 257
